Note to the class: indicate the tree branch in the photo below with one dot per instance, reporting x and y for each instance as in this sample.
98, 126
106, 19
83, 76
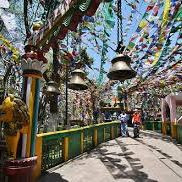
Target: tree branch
27, 28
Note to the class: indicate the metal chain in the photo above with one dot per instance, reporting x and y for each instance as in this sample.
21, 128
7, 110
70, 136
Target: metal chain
119, 28
121, 23
80, 37
118, 23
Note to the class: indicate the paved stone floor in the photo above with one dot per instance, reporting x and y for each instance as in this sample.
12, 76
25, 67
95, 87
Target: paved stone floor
149, 158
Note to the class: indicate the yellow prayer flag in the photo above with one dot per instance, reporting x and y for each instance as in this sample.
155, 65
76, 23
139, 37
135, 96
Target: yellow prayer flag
163, 27
143, 24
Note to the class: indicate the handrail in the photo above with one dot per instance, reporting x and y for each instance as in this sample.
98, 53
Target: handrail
54, 148
76, 129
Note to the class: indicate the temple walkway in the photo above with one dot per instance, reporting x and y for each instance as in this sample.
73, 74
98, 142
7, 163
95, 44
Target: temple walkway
147, 159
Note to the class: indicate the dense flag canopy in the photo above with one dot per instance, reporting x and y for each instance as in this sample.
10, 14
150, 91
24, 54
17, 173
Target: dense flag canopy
151, 29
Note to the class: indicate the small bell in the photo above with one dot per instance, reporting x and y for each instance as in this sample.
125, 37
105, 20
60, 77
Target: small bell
52, 88
121, 69
77, 80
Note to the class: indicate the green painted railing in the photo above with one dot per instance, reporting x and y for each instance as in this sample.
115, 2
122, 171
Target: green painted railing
153, 125
56, 147
160, 127
179, 133
52, 152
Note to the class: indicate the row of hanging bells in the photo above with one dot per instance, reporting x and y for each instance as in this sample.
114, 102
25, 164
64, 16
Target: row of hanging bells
120, 70
77, 82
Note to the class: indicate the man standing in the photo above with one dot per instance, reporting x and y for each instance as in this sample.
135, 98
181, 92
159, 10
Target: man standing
123, 117
114, 116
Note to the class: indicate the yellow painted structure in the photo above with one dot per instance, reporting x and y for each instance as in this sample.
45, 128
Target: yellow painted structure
112, 132
31, 105
173, 130
12, 144
104, 134
16, 117
38, 153
65, 148
95, 137
164, 128
81, 142
65, 134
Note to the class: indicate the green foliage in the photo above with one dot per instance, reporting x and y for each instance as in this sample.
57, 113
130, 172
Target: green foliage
119, 92
86, 59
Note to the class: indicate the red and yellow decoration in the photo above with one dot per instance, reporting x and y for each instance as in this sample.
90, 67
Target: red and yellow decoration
33, 62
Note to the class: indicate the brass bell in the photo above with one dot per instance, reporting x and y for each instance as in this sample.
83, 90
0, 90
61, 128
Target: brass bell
52, 88
77, 80
121, 69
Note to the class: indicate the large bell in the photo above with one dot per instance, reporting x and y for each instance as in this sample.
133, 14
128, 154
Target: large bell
52, 88
121, 69
77, 80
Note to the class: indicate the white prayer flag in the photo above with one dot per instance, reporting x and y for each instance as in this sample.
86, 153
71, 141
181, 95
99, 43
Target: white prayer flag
4, 4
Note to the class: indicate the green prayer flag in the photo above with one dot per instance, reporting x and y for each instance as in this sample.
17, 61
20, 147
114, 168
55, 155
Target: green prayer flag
178, 15
109, 15
131, 45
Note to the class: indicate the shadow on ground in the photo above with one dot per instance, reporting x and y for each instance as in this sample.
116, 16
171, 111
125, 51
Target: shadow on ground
115, 166
165, 138
159, 150
113, 161
52, 177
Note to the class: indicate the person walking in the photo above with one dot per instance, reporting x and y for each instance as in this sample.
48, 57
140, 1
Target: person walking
123, 117
136, 121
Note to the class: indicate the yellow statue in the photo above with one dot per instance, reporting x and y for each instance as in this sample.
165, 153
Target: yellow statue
14, 113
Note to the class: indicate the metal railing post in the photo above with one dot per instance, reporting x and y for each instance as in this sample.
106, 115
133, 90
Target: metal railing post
65, 148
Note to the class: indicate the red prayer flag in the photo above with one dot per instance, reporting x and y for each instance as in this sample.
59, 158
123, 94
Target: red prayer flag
149, 7
141, 39
155, 10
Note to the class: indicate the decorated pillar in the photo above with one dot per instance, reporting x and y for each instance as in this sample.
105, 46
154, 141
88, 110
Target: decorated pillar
33, 65
172, 105
163, 114
22, 121
163, 109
